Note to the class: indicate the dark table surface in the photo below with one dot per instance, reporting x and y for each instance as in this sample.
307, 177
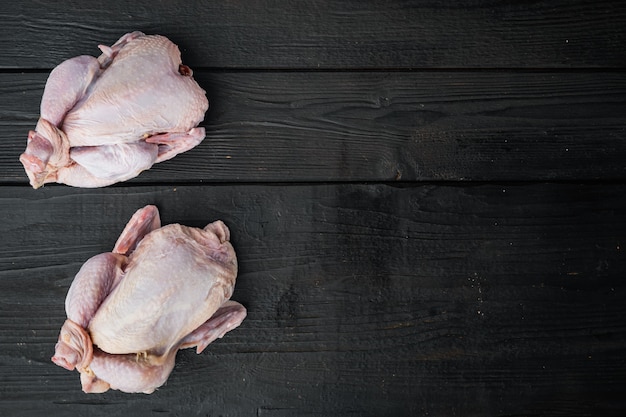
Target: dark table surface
427, 200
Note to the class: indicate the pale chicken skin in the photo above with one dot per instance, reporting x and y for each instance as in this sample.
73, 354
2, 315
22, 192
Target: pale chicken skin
105, 120
161, 289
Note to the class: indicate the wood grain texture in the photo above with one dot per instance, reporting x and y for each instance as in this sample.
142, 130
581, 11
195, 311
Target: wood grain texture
320, 34
427, 201
389, 126
363, 299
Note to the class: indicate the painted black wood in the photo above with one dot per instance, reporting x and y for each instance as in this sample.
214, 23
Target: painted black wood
427, 200
354, 126
321, 34
363, 299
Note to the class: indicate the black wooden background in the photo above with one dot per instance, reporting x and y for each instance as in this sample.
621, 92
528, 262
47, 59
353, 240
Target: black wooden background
427, 199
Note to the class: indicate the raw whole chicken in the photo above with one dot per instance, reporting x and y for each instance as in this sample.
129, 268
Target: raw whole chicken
105, 120
161, 289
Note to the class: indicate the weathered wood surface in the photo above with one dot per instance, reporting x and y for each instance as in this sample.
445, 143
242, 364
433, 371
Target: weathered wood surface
363, 299
427, 201
355, 126
322, 34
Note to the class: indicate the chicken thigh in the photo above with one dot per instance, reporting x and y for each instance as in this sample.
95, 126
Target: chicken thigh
105, 120
161, 289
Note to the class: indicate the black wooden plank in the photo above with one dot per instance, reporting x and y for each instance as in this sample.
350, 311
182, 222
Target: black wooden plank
321, 34
363, 299
353, 126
